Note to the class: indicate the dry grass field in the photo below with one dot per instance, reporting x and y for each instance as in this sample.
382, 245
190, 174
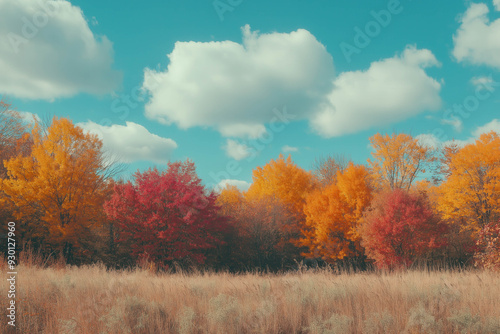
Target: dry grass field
94, 300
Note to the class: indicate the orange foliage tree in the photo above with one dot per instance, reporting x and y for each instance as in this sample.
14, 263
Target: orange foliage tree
333, 214
398, 160
59, 190
230, 200
14, 140
471, 193
283, 180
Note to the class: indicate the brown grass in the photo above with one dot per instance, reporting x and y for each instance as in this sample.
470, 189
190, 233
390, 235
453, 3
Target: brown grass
93, 300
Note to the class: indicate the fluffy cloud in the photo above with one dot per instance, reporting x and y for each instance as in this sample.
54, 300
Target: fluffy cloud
478, 40
287, 148
236, 150
242, 185
132, 142
234, 87
391, 90
48, 51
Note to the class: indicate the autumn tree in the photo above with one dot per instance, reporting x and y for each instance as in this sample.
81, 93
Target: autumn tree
333, 214
230, 200
230, 253
14, 140
266, 223
460, 246
442, 169
399, 228
470, 195
169, 215
260, 239
398, 160
283, 181
58, 191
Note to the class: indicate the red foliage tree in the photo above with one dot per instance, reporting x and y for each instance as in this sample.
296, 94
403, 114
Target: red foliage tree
168, 215
399, 228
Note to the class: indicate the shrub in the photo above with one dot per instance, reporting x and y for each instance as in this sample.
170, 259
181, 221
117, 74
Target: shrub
489, 243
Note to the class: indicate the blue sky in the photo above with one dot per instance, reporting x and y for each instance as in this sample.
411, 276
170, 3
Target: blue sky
232, 84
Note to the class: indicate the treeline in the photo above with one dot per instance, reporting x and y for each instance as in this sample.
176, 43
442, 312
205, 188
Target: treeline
409, 204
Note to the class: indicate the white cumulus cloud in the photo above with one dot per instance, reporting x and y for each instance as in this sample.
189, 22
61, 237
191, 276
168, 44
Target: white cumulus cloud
391, 90
132, 142
477, 40
234, 87
237, 151
47, 51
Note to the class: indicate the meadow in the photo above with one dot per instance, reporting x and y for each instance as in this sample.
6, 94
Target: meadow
92, 299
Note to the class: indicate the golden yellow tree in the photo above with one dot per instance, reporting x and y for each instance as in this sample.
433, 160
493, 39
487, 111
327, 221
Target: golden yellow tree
61, 186
230, 200
471, 193
282, 180
14, 140
333, 214
398, 160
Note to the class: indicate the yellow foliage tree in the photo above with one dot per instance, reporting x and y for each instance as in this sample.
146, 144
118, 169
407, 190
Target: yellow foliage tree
333, 214
471, 193
62, 186
398, 160
14, 140
230, 200
284, 181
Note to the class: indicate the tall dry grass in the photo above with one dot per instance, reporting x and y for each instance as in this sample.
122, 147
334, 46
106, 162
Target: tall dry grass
93, 300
